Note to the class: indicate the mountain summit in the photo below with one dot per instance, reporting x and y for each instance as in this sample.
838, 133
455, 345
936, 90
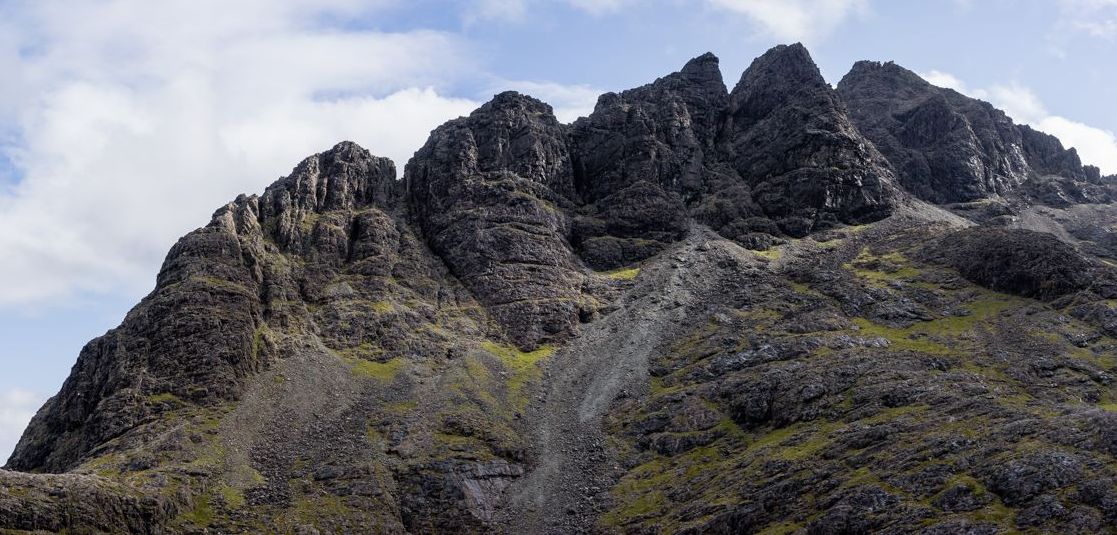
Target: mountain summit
781, 308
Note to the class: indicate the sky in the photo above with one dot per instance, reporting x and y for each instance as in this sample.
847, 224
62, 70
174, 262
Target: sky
125, 123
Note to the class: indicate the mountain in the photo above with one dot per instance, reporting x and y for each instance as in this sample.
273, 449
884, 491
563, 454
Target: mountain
781, 308
950, 148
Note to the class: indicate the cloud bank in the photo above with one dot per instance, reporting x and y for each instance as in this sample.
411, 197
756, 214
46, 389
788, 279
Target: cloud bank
795, 20
1096, 18
128, 122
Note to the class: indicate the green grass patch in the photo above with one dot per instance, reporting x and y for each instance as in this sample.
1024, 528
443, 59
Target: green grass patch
309, 221
1110, 406
456, 441
381, 371
364, 351
882, 269
163, 398
933, 336
201, 515
107, 465
782, 528
233, 497
222, 284
258, 341
311, 509
639, 494
645, 505
772, 253
383, 307
624, 274
902, 339
995, 513
522, 366
477, 369
374, 436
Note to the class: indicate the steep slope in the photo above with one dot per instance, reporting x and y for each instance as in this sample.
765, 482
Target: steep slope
362, 344
861, 384
951, 148
695, 310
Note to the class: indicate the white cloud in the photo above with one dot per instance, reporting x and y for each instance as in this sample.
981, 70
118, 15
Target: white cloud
795, 20
17, 406
498, 10
516, 11
1096, 18
600, 7
944, 79
1096, 146
1017, 101
136, 119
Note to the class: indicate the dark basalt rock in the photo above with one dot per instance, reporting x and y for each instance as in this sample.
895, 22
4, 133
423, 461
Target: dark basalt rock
789, 138
192, 337
346, 177
489, 193
1020, 262
663, 133
778, 155
630, 225
58, 503
949, 148
640, 156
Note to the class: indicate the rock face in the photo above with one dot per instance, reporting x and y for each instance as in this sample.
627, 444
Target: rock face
789, 137
488, 191
663, 133
640, 157
776, 156
695, 310
950, 148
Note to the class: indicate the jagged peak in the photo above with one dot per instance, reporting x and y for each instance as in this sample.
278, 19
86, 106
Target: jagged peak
342, 153
702, 65
699, 83
783, 75
703, 71
883, 68
781, 68
876, 76
345, 176
514, 102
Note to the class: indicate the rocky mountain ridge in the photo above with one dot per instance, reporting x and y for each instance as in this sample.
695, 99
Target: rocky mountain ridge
719, 311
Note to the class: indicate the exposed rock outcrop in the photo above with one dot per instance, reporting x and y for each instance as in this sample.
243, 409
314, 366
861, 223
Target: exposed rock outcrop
1020, 262
490, 192
789, 137
950, 148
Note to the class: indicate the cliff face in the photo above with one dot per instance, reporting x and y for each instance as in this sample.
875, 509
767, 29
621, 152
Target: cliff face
950, 148
695, 310
790, 137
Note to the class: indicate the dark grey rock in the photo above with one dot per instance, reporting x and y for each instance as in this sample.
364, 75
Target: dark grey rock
949, 148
